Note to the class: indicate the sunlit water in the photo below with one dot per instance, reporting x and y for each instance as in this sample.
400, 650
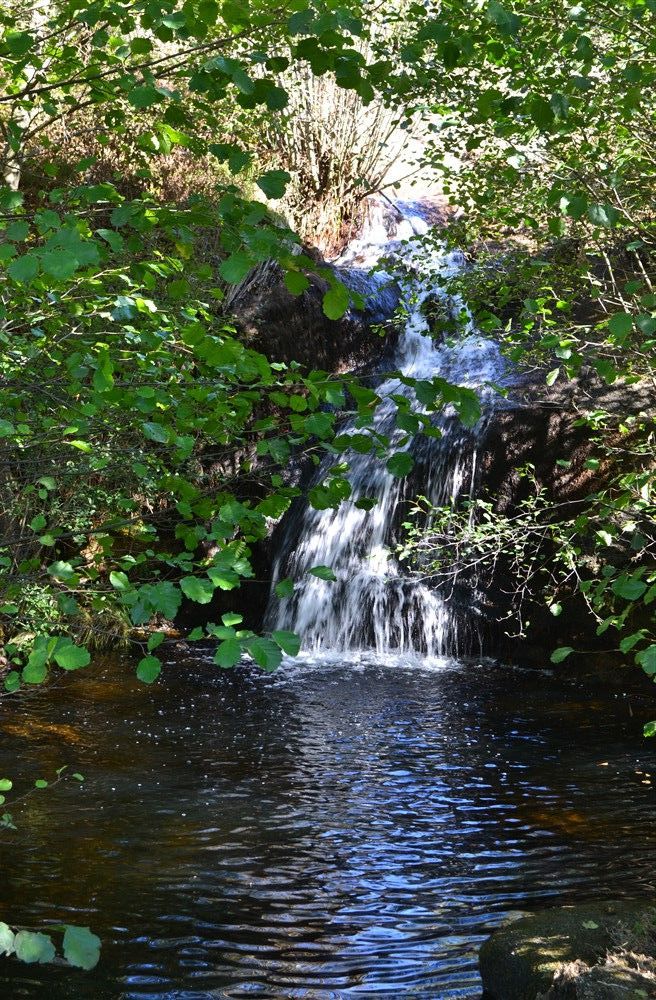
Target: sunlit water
335, 829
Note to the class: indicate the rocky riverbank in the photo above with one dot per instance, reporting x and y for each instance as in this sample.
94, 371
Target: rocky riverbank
591, 951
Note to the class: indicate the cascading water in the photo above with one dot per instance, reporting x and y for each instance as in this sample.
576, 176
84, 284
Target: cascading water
373, 605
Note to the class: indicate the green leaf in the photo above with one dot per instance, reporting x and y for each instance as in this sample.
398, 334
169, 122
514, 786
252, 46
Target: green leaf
508, 22
32, 947
156, 640
289, 642
541, 112
603, 215
164, 597
144, 97
81, 947
24, 269
62, 570
236, 267
114, 239
273, 183
265, 652
6, 939
275, 97
155, 432
627, 644
71, 657
230, 618
336, 301
620, 324
561, 654
119, 581
284, 588
60, 264
12, 681
81, 445
149, 669
225, 578
649, 729
323, 573
646, 658
18, 231
559, 105
296, 282
228, 653
197, 589
18, 42
629, 588
35, 671
400, 463
40, 783
6, 785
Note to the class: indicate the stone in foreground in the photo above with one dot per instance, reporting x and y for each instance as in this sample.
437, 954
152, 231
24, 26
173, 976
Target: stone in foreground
520, 960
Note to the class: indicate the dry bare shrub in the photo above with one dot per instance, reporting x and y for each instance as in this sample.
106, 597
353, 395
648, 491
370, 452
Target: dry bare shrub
337, 150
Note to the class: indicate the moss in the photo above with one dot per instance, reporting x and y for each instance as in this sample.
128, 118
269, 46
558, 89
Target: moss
521, 960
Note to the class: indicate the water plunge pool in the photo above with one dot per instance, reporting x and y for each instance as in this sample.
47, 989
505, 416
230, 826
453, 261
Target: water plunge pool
333, 829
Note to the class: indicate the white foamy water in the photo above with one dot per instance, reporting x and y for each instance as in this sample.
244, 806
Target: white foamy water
374, 605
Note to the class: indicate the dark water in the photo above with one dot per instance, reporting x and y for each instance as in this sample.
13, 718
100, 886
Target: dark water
328, 831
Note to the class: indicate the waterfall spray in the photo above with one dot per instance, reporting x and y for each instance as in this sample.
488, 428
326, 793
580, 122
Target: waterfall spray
372, 605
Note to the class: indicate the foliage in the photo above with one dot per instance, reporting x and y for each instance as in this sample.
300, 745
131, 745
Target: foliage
338, 142
545, 550
81, 948
118, 370
544, 133
145, 446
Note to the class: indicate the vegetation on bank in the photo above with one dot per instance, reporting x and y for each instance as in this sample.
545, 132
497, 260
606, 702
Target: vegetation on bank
550, 112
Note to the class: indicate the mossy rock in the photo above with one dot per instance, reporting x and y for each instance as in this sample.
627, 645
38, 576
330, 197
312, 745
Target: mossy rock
519, 960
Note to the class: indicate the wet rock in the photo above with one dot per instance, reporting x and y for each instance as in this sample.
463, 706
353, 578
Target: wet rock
521, 960
542, 428
289, 327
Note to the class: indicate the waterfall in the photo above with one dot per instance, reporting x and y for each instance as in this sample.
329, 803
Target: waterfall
373, 605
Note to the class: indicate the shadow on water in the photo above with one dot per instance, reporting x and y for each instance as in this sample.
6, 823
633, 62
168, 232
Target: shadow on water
331, 830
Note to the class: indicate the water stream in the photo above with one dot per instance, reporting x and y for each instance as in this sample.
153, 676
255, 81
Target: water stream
329, 831
373, 605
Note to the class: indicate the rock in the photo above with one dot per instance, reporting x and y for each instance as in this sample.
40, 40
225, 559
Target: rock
520, 960
289, 327
542, 428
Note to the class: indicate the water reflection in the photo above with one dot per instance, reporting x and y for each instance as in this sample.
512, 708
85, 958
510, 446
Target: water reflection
328, 831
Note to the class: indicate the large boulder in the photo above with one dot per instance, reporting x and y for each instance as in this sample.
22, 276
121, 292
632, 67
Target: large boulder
521, 959
543, 427
289, 327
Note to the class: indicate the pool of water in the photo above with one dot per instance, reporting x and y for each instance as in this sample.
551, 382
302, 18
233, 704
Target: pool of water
334, 829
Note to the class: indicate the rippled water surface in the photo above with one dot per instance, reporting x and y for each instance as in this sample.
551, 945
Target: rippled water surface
334, 829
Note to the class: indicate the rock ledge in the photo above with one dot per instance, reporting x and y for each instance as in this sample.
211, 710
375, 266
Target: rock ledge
521, 960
